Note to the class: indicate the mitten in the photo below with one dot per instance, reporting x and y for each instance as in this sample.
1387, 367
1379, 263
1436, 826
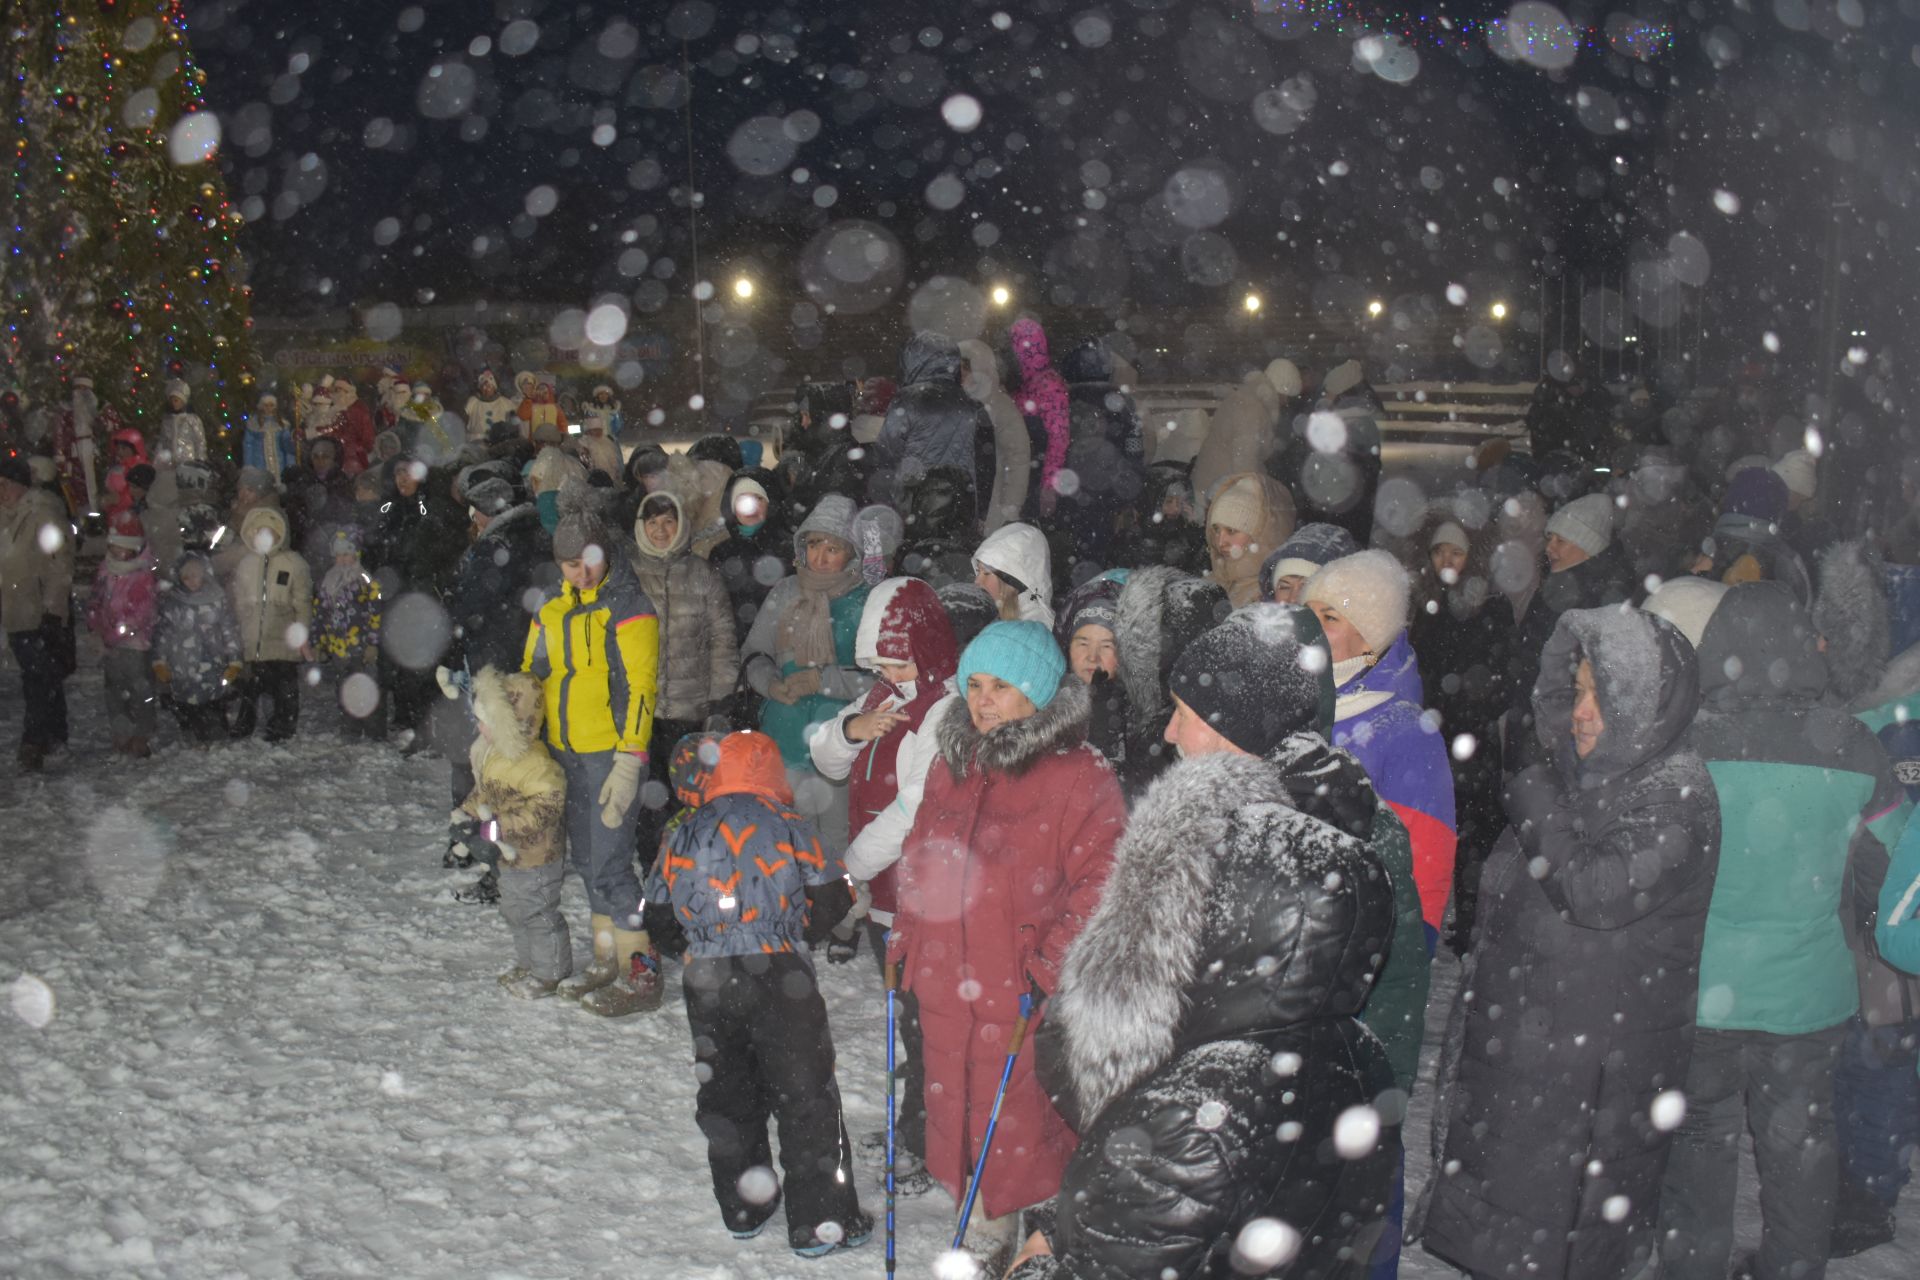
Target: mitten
233, 673
162, 672
803, 683
452, 683
620, 788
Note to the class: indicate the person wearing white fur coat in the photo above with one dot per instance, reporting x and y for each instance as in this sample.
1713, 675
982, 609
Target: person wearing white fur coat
1246, 426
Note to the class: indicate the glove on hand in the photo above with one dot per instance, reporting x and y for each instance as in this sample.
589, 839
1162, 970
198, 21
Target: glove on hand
803, 683
618, 791
233, 672
452, 683
162, 672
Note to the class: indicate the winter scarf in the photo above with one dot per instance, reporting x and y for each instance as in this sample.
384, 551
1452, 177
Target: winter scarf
806, 629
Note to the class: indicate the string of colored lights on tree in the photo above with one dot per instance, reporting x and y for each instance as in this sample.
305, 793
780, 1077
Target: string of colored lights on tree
1527, 28
108, 230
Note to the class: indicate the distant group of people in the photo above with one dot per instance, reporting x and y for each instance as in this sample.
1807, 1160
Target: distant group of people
1181, 755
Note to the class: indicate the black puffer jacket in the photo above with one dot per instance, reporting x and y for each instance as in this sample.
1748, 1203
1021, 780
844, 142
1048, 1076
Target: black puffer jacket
1105, 453
1584, 973
1601, 580
498, 586
932, 422
1160, 535
941, 531
1203, 1042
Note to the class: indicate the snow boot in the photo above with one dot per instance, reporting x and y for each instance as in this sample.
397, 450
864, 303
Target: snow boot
992, 1241
604, 968
639, 990
814, 1242
752, 1232
484, 892
1860, 1221
139, 749
526, 985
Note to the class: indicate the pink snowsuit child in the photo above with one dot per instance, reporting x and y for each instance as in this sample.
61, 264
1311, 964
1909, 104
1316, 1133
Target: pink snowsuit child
121, 612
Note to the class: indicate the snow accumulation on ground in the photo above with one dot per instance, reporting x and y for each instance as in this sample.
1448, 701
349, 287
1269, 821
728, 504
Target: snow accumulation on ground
251, 1035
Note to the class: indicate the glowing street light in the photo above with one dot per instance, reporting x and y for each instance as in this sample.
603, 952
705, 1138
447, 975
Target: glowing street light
1499, 311
743, 288
1252, 303
1002, 295
1375, 307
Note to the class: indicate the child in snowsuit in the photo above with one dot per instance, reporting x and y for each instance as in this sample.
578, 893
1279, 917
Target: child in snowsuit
196, 650
272, 594
519, 794
121, 613
751, 884
346, 636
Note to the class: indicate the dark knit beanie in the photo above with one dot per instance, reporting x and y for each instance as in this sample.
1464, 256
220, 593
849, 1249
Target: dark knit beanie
577, 531
1093, 603
1758, 492
490, 495
1261, 675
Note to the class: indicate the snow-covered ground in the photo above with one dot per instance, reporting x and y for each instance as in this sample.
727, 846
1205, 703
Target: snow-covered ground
274, 1046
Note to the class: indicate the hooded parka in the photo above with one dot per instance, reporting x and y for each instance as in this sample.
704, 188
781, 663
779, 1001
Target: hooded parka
1205, 1045
272, 590
1002, 869
932, 422
1577, 997
699, 660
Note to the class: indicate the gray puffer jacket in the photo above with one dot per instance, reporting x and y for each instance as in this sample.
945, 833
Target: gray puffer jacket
699, 658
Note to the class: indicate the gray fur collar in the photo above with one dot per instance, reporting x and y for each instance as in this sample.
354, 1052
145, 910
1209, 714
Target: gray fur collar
1136, 635
1123, 988
1011, 749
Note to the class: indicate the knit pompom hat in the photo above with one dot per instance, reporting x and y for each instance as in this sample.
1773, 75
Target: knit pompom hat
577, 531
1022, 654
1585, 522
1370, 590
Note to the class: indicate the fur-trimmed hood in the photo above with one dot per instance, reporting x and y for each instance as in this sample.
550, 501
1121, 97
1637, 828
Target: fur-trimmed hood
511, 708
1160, 610
1228, 914
1012, 749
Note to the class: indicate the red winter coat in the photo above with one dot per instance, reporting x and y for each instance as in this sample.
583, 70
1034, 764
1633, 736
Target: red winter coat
1006, 861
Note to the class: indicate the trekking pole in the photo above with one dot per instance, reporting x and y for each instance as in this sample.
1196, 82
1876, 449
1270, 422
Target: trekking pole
993, 1120
893, 982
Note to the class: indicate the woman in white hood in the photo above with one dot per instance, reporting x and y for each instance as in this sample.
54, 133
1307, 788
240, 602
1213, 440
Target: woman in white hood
1014, 567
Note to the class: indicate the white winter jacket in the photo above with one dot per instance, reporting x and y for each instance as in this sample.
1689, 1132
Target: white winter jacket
272, 591
877, 847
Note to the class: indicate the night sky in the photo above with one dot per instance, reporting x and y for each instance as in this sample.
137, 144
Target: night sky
1138, 153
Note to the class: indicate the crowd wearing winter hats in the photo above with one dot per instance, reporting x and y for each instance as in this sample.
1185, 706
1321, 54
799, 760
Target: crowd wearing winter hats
976, 688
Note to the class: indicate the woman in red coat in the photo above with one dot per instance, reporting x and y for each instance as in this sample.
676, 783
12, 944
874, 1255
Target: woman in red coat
1007, 857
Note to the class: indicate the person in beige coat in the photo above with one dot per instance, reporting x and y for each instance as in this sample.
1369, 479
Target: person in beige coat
1245, 427
699, 657
1012, 450
1249, 518
518, 799
272, 594
36, 590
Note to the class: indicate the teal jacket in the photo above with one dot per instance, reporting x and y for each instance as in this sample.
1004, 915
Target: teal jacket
1808, 803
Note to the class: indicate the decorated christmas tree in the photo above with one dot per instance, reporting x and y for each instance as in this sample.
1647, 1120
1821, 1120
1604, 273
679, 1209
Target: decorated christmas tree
120, 257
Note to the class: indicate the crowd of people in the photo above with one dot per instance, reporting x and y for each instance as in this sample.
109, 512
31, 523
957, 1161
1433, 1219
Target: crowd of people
1151, 770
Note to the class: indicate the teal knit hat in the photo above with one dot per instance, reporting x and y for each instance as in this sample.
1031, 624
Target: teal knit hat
1021, 653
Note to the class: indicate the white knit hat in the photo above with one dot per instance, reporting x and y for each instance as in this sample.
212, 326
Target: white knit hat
1370, 590
1449, 534
1585, 522
1801, 470
1241, 506
1283, 376
1688, 603
1341, 379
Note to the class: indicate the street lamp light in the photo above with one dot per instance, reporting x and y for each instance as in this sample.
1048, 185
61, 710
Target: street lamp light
1002, 295
743, 288
1499, 311
1375, 307
1252, 303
